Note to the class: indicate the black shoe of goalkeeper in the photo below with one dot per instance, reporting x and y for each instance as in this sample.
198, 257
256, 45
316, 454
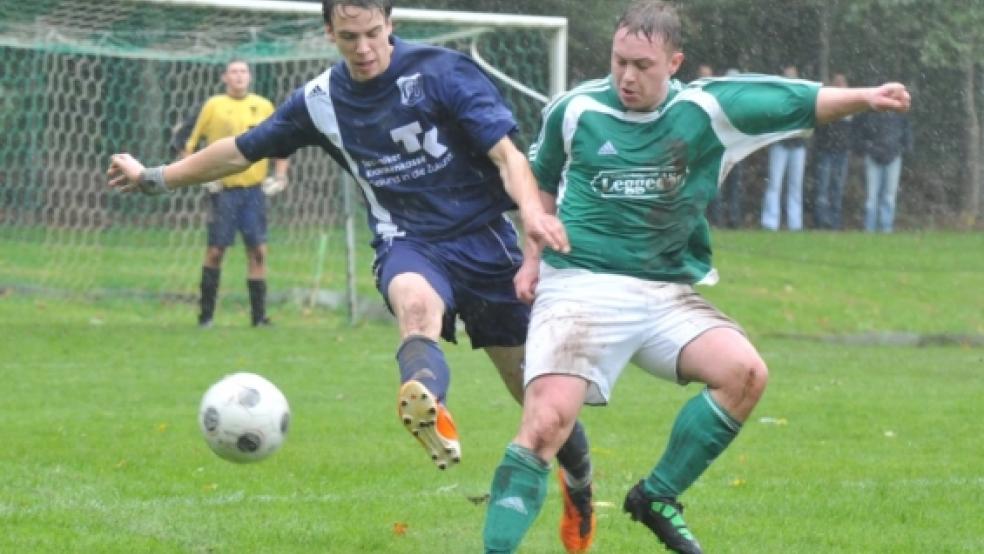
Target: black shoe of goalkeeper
263, 322
664, 517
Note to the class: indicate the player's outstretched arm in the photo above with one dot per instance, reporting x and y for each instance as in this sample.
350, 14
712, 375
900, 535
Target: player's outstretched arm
217, 160
538, 225
834, 103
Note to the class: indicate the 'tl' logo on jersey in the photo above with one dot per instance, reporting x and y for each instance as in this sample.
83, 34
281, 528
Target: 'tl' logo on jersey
409, 136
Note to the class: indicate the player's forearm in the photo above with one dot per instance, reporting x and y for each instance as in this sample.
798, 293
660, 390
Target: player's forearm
522, 189
548, 201
217, 160
516, 176
532, 251
835, 103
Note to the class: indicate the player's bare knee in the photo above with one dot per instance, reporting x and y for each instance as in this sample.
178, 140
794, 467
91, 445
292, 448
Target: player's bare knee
548, 428
750, 379
414, 315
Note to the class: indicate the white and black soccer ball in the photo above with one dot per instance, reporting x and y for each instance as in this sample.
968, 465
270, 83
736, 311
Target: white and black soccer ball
244, 417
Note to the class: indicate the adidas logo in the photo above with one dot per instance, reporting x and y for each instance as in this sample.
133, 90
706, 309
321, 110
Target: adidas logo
607, 149
316, 91
513, 503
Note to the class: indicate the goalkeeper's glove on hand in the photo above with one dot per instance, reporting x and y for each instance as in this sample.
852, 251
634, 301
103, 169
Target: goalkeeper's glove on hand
212, 187
273, 185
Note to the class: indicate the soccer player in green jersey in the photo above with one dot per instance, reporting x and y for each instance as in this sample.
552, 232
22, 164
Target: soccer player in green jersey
629, 163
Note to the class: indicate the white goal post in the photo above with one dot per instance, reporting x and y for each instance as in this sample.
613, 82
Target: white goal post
556, 25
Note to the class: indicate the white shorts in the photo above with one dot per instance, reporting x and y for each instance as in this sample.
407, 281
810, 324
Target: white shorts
592, 324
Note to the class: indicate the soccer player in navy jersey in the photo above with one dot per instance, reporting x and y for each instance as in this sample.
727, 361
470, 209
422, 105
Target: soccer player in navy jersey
426, 135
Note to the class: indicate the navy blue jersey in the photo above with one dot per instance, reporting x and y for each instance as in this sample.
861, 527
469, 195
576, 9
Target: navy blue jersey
416, 139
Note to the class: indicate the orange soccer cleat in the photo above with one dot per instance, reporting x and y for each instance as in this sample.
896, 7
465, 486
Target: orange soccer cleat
577, 524
430, 422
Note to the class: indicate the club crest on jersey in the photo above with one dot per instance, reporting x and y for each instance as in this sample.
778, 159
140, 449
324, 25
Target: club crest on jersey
639, 182
411, 91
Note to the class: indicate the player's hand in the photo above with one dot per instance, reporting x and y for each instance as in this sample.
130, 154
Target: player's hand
273, 185
124, 172
891, 97
546, 230
526, 279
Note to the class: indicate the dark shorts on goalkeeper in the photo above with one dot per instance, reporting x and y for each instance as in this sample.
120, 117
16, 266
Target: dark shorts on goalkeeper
472, 273
237, 209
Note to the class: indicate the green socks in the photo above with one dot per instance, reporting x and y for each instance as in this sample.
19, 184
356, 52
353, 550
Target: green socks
702, 431
518, 490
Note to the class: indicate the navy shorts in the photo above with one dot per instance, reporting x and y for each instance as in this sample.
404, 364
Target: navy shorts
241, 209
472, 273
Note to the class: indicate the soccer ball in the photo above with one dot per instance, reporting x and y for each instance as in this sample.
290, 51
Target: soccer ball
244, 417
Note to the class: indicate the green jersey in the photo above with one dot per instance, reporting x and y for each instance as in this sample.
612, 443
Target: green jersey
632, 187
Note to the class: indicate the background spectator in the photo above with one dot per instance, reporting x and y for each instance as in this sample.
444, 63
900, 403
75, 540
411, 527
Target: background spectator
786, 159
882, 138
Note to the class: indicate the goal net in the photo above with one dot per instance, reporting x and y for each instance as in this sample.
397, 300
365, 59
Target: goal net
80, 80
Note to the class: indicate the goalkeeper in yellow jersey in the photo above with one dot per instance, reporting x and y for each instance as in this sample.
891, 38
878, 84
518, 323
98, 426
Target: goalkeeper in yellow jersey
236, 202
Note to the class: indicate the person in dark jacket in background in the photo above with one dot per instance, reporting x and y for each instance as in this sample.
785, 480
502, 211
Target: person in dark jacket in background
882, 138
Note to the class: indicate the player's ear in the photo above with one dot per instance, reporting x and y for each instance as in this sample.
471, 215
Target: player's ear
330, 33
676, 60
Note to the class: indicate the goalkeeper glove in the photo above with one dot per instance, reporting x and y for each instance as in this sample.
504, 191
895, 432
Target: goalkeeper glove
273, 185
212, 187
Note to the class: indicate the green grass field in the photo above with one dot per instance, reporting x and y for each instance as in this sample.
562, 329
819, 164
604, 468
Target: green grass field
858, 445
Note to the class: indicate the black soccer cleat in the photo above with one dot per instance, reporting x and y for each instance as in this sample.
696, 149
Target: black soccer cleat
263, 322
664, 517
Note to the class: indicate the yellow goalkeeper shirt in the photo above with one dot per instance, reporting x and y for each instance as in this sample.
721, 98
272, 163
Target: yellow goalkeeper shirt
224, 116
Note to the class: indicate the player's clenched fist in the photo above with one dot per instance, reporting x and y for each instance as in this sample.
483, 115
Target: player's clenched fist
127, 174
890, 97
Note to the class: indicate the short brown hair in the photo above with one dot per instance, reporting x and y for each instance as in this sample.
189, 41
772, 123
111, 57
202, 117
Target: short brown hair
328, 7
652, 18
